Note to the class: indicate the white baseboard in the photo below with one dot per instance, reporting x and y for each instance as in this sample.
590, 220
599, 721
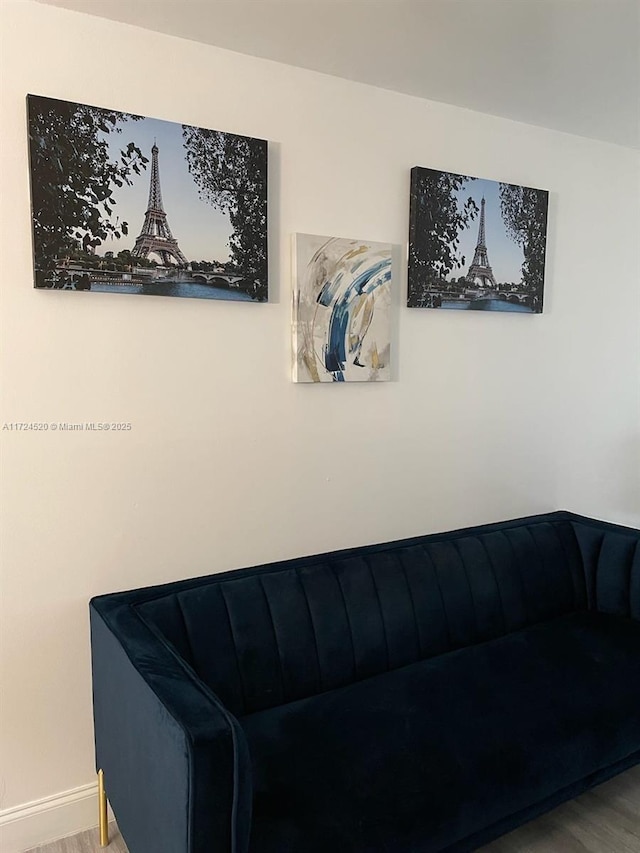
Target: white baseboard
31, 824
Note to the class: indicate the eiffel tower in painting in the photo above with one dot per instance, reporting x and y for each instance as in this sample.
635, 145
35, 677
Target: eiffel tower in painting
156, 235
480, 267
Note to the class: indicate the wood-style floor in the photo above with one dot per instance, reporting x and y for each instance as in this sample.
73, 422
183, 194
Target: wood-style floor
604, 820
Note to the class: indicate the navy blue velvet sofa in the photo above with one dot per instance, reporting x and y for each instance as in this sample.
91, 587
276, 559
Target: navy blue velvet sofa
419, 696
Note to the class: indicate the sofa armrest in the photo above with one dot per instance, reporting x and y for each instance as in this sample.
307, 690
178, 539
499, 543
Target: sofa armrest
175, 761
611, 559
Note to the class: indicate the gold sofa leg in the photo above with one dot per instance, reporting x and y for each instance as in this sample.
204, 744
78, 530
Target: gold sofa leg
102, 811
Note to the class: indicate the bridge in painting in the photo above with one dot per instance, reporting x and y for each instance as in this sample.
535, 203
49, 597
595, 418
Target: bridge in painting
67, 275
435, 297
215, 278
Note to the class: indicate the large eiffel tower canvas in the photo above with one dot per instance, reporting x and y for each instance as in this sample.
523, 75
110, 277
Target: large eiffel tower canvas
455, 220
94, 171
156, 235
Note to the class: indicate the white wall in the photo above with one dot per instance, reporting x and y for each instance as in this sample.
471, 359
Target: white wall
228, 463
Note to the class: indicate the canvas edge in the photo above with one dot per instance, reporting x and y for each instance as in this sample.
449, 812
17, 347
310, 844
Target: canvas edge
295, 301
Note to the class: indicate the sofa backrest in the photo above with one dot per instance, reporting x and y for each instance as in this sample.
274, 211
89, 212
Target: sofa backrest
261, 638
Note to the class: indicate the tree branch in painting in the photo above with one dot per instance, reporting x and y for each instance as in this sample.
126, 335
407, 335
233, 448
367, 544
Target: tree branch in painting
231, 173
436, 222
524, 212
73, 179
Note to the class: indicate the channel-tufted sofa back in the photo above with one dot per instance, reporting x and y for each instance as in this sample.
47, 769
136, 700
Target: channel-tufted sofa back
263, 638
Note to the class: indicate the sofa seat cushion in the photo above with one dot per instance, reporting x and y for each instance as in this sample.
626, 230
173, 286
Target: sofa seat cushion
416, 759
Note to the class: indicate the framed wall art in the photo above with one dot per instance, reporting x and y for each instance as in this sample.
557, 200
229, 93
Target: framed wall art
122, 203
475, 244
341, 309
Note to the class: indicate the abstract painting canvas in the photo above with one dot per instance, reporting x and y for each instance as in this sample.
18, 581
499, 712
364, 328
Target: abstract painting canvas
341, 309
127, 204
476, 244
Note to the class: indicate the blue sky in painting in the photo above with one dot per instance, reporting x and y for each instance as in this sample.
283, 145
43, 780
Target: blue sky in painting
201, 230
505, 256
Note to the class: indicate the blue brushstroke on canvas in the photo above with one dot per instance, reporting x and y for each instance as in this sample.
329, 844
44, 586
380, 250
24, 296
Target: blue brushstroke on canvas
335, 355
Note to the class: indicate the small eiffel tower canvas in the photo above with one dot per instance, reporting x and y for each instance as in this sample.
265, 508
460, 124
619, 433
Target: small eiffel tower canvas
122, 203
475, 244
